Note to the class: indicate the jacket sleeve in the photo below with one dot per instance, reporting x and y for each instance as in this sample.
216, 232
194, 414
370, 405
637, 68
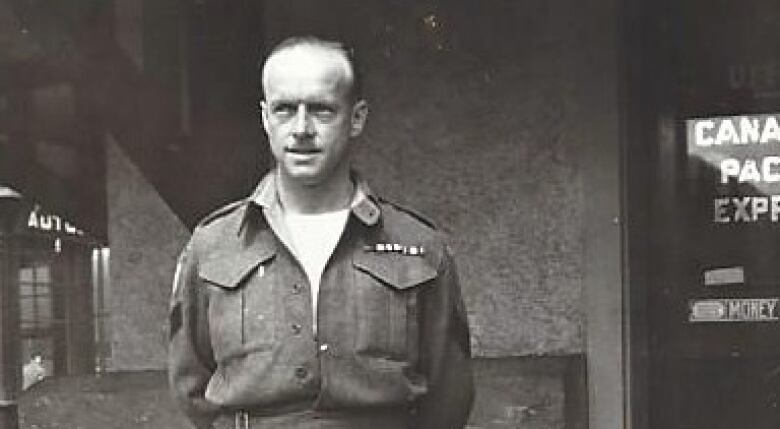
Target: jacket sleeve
445, 354
190, 358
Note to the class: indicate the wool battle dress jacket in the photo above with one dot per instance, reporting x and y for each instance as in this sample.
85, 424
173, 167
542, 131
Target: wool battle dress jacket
391, 340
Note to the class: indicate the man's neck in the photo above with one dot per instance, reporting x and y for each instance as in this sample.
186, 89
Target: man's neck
331, 195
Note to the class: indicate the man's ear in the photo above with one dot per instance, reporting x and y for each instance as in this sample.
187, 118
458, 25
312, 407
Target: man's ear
264, 114
358, 120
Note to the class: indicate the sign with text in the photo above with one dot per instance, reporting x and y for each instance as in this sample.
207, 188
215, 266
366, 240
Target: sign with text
734, 310
742, 156
51, 223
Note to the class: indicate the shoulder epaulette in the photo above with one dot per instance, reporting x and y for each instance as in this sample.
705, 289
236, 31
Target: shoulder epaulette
222, 211
420, 217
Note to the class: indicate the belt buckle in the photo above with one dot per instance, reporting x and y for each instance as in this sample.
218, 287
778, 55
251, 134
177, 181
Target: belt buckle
242, 420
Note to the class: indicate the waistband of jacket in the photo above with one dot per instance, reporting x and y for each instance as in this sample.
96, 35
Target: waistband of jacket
304, 418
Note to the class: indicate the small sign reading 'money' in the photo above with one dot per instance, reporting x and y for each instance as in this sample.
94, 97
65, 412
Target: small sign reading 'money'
734, 310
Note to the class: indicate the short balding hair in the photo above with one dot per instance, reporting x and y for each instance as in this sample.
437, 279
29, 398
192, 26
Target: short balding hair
341, 48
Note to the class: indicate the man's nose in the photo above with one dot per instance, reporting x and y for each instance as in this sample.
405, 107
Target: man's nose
302, 128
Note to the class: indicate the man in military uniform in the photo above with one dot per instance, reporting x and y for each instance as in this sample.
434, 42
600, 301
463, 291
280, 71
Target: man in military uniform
313, 303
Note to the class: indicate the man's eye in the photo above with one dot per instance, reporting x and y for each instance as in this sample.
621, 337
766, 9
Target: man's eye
284, 110
322, 111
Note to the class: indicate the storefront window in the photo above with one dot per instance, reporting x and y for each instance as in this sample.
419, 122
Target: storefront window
35, 298
62, 279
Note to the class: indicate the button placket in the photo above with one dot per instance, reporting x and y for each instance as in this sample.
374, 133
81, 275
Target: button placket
295, 326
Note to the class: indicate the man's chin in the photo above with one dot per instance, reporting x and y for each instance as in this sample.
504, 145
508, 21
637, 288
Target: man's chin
305, 176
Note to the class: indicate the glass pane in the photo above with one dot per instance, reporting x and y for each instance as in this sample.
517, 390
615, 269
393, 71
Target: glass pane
26, 290
27, 310
26, 275
44, 311
43, 274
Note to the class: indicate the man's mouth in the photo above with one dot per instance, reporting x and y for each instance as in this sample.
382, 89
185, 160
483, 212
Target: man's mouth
302, 150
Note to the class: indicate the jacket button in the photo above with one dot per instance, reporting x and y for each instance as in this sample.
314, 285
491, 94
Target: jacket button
297, 288
296, 328
301, 372
324, 347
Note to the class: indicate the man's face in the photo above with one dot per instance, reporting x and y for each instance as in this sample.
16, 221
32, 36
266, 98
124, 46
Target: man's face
308, 114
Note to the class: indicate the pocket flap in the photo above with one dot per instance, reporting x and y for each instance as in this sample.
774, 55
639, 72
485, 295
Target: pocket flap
229, 271
398, 271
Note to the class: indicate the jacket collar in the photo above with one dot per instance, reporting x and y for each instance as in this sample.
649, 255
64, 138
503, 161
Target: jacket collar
364, 203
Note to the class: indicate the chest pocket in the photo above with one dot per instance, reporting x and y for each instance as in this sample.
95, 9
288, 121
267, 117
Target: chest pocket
241, 306
386, 291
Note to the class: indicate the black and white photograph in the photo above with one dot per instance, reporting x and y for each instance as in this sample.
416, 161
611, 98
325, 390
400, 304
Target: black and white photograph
345, 214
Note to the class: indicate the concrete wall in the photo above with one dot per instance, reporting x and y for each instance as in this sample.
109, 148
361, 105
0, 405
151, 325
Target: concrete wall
145, 238
480, 114
500, 120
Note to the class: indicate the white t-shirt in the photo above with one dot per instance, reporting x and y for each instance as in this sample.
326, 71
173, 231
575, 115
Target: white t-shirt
315, 237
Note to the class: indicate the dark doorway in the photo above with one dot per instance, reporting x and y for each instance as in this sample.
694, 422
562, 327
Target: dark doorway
706, 254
